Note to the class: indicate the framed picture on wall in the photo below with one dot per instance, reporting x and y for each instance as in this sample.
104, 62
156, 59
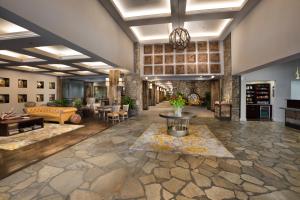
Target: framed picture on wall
4, 98
22, 83
51, 85
40, 84
51, 97
39, 98
22, 98
4, 82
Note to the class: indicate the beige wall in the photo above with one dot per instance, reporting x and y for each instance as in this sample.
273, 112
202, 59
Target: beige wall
31, 89
269, 32
82, 22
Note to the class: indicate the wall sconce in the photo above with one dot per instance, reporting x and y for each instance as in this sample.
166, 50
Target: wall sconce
107, 82
297, 74
150, 85
121, 82
157, 88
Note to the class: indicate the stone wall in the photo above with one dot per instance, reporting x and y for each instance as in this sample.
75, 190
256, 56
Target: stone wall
236, 98
188, 87
227, 78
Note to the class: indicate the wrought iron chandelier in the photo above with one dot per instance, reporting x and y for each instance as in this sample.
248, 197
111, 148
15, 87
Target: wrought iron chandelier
179, 38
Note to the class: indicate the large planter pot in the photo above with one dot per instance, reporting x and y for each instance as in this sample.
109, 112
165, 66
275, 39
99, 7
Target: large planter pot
177, 111
132, 112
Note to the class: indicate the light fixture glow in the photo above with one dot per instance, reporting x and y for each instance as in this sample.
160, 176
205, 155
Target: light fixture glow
127, 14
18, 57
165, 30
210, 6
94, 65
59, 50
28, 68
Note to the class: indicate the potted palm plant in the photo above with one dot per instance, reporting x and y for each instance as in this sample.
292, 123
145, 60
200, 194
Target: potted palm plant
126, 100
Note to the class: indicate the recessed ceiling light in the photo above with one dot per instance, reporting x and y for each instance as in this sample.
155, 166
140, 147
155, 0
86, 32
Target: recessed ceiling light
10, 30
58, 52
212, 76
18, 57
84, 73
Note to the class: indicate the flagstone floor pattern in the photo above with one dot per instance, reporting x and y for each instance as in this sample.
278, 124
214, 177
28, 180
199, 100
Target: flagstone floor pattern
266, 166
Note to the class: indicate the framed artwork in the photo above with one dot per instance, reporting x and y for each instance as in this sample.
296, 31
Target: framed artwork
51, 85
4, 82
39, 98
51, 97
40, 84
22, 98
4, 98
22, 83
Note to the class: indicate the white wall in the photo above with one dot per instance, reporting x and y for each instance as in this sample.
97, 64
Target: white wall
282, 75
268, 33
31, 89
82, 22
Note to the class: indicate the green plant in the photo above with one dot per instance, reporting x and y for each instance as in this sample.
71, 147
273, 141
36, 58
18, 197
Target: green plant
128, 101
208, 100
177, 101
77, 103
61, 102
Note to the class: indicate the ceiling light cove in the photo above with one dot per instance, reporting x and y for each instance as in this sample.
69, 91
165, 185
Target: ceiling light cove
58, 74
60, 67
208, 29
84, 73
28, 68
10, 30
139, 9
94, 65
152, 33
17, 57
59, 52
207, 6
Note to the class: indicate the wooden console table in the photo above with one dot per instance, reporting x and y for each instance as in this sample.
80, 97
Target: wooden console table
15, 126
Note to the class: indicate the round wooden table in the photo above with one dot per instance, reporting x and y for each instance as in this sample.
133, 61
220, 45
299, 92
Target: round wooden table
177, 126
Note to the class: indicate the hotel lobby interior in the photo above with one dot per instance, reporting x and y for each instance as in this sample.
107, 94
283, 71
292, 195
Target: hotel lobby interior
149, 100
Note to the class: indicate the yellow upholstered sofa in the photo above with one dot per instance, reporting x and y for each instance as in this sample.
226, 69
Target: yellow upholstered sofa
57, 114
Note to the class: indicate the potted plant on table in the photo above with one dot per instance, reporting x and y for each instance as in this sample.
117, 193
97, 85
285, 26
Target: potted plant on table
178, 102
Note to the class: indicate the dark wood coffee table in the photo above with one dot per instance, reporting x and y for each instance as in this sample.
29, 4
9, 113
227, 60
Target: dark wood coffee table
15, 126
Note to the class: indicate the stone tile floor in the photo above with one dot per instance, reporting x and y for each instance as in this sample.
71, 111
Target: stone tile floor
266, 166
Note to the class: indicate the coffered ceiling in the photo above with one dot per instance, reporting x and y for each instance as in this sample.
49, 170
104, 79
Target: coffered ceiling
151, 21
29, 48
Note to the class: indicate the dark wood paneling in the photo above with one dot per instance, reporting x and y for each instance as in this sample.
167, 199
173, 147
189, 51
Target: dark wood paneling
148, 60
191, 58
158, 59
215, 68
179, 58
168, 48
169, 59
191, 69
202, 68
202, 46
148, 49
202, 57
147, 70
158, 48
214, 57
169, 69
191, 47
214, 46
180, 69
158, 70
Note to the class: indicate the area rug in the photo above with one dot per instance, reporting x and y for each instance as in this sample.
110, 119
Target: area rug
24, 139
200, 141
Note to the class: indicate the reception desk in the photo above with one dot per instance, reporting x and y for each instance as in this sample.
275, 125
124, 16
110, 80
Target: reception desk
292, 114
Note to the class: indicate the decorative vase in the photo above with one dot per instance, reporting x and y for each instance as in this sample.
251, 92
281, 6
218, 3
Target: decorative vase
178, 111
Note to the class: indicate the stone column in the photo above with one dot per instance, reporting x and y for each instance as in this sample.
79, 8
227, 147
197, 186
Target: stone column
113, 92
59, 88
227, 78
145, 95
236, 98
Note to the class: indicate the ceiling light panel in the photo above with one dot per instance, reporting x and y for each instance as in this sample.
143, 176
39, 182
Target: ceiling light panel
140, 9
17, 57
28, 68
94, 65
59, 67
58, 74
59, 52
208, 6
206, 28
10, 30
152, 33
84, 73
